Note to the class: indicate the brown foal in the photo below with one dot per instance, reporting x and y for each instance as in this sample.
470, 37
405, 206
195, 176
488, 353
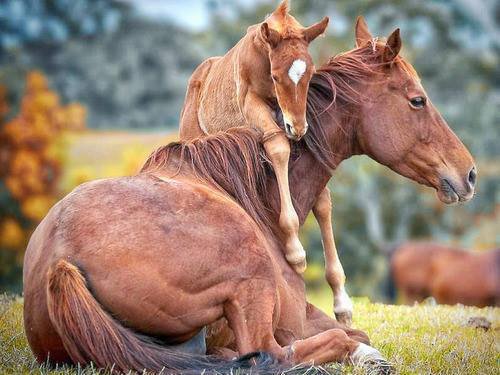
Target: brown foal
121, 269
270, 66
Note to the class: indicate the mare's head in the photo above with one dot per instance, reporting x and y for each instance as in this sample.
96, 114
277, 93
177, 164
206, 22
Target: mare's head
291, 65
395, 122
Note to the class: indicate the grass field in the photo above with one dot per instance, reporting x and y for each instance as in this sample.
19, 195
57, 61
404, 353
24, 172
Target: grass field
417, 340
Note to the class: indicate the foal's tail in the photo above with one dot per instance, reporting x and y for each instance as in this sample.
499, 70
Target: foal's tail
90, 334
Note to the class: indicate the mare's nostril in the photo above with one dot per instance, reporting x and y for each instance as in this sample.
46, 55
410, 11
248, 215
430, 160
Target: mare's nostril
472, 177
289, 129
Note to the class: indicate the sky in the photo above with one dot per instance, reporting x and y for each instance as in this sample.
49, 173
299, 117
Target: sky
192, 14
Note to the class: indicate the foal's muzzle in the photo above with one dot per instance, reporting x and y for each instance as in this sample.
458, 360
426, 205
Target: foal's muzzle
292, 133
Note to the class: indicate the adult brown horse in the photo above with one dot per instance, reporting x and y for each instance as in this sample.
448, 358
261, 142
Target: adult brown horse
450, 275
452, 183
190, 242
270, 66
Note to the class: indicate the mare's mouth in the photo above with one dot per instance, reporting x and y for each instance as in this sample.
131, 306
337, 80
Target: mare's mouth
449, 194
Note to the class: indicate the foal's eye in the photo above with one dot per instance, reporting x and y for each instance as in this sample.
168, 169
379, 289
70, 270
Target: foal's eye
275, 78
418, 102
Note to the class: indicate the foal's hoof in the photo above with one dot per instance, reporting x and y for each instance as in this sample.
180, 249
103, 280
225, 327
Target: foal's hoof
298, 263
300, 268
296, 256
344, 317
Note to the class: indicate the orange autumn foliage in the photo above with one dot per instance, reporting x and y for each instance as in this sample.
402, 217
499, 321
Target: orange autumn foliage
31, 156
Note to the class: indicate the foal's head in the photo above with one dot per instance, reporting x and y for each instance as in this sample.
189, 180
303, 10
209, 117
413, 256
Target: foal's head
291, 65
401, 128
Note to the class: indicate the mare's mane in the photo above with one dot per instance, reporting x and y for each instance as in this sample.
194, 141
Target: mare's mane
333, 90
234, 161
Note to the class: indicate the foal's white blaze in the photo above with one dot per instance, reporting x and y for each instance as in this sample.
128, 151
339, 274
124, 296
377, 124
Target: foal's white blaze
297, 70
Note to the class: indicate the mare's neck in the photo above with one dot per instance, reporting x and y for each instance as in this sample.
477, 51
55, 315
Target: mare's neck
307, 176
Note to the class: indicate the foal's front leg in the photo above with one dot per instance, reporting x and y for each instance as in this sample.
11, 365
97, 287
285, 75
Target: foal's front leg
277, 146
335, 276
278, 150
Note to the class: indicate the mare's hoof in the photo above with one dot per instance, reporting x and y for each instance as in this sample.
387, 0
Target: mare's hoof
372, 360
344, 317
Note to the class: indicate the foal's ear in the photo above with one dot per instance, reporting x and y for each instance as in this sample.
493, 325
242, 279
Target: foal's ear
363, 35
282, 10
270, 36
393, 46
312, 32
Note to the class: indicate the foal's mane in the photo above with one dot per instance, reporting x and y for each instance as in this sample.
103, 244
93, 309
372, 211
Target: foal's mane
234, 161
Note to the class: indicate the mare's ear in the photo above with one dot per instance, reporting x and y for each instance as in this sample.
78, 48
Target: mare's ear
312, 32
363, 35
270, 36
392, 47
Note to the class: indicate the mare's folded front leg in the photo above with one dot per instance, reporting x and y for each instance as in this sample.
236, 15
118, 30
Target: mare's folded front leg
335, 275
334, 345
278, 151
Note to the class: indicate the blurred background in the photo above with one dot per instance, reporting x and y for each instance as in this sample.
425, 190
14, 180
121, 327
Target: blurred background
88, 88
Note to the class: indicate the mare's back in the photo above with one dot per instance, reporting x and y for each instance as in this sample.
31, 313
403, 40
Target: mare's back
120, 220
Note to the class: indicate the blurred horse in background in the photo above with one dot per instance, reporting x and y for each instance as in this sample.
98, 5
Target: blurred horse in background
449, 274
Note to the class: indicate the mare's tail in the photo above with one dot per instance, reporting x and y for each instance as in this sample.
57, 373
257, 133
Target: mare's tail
90, 334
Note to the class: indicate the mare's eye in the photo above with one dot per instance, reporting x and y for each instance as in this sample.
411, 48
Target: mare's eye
418, 102
275, 78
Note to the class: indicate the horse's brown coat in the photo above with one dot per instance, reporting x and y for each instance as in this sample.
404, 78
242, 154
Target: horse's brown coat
171, 250
450, 275
414, 143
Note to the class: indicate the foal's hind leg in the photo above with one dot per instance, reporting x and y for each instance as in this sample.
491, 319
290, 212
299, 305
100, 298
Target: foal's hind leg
334, 271
189, 126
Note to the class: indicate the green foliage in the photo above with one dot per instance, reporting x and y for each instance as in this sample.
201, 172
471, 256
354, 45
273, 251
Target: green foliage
54, 21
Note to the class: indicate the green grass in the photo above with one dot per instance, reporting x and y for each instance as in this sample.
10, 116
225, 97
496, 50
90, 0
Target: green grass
422, 339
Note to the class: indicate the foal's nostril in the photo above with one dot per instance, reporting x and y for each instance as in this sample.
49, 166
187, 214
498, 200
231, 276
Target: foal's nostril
472, 177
